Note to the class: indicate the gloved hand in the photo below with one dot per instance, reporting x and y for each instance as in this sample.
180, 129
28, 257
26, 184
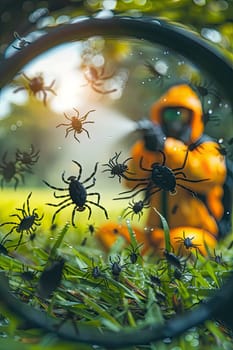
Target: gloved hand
153, 135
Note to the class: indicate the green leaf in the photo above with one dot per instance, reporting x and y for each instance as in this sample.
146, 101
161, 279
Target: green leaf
132, 234
166, 231
59, 241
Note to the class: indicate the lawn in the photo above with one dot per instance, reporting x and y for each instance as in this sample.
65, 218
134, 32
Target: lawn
117, 290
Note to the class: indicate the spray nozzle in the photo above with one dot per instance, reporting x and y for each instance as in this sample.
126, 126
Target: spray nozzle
153, 134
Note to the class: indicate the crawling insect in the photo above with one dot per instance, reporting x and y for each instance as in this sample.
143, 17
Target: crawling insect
37, 85
91, 228
205, 89
27, 159
225, 148
22, 43
172, 259
77, 194
10, 171
28, 221
155, 280
187, 242
117, 169
116, 267
161, 178
96, 78
174, 209
218, 259
175, 260
134, 252
136, 208
96, 272
50, 278
178, 274
76, 124
83, 242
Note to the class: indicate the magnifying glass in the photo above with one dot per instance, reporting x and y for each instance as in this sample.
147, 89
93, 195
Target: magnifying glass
192, 55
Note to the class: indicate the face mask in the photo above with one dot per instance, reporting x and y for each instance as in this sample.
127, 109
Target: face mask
176, 122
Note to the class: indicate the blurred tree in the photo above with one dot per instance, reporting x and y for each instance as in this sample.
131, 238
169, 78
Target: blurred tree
26, 125
211, 18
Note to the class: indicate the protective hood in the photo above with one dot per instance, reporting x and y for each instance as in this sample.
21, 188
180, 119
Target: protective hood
181, 96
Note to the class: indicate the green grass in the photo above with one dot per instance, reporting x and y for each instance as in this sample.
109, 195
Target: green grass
145, 293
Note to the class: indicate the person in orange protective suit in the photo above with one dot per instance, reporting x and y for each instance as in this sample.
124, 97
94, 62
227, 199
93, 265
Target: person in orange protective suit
196, 209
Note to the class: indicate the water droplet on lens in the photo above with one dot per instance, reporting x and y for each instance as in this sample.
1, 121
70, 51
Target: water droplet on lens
13, 127
220, 140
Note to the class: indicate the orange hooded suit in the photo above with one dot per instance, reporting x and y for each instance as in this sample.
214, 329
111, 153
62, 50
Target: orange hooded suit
176, 127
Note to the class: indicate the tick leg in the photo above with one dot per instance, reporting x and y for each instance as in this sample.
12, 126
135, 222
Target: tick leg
89, 122
183, 165
101, 207
89, 209
95, 194
44, 97
75, 133
53, 187
60, 196
28, 207
133, 195
189, 180
141, 166
68, 130
103, 92
9, 223
164, 157
132, 189
87, 132
180, 173
80, 169
64, 180
19, 241
94, 172
56, 212
152, 193
19, 89
9, 233
62, 124
16, 215
58, 204
66, 116
73, 215
187, 189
